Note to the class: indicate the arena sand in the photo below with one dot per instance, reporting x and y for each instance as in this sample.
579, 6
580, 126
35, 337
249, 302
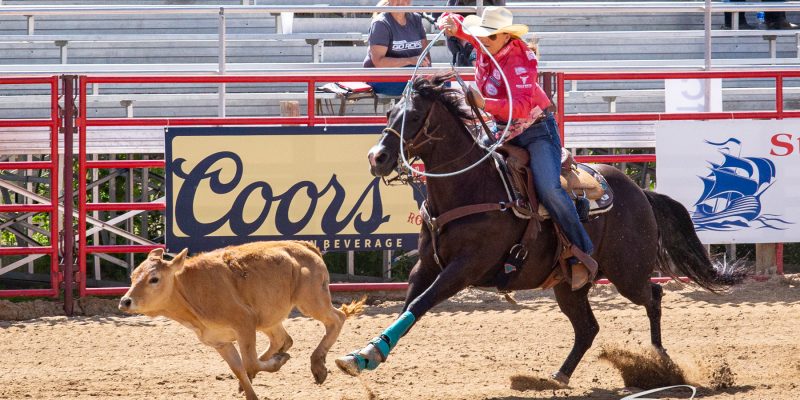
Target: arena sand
743, 345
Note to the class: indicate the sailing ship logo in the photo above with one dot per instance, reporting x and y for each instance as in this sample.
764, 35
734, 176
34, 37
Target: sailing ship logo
732, 190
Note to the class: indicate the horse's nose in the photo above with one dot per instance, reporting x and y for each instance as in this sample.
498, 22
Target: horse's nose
376, 156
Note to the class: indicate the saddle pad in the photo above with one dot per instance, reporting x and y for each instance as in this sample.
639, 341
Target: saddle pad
598, 206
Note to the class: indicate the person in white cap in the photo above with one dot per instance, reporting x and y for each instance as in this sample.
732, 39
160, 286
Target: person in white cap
531, 125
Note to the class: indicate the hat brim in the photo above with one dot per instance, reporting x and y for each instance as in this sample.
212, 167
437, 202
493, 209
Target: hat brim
472, 24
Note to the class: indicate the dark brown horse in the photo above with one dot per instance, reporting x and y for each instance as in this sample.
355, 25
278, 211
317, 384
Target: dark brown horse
643, 232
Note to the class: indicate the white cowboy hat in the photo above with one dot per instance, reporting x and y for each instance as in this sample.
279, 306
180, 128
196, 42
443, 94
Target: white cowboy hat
494, 20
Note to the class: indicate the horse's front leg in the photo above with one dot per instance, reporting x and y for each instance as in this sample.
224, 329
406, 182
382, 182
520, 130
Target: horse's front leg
455, 277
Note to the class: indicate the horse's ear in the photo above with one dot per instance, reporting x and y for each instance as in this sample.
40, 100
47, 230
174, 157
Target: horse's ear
441, 79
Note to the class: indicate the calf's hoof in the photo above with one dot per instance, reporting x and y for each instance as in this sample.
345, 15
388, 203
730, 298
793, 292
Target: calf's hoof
276, 362
561, 378
320, 372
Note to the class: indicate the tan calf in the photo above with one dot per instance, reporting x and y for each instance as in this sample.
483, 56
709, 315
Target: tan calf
227, 295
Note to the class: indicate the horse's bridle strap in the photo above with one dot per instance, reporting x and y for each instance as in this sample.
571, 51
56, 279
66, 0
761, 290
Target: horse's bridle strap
422, 133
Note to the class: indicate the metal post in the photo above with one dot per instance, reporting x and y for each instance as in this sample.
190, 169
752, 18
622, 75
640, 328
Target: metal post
797, 43
707, 24
221, 58
69, 236
707, 82
31, 23
128, 105
773, 46
317, 49
62, 44
351, 262
479, 5
387, 264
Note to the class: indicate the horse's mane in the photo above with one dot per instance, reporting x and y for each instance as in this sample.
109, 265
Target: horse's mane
434, 88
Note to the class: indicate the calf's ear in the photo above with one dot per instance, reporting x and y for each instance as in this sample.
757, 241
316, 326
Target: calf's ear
156, 253
177, 262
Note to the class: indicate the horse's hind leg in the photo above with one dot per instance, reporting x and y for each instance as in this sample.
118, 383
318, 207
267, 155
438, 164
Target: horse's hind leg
575, 305
653, 308
648, 295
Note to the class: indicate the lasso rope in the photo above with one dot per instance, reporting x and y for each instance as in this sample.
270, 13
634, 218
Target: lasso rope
407, 92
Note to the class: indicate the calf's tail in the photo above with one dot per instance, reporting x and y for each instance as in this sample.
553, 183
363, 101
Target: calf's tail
355, 307
311, 246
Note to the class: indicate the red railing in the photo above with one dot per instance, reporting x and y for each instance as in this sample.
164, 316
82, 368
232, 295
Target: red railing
310, 119
778, 113
53, 123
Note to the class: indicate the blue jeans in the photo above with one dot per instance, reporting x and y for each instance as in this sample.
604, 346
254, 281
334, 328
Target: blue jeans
544, 145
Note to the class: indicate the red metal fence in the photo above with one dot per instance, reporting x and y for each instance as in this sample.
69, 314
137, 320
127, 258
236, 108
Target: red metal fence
53, 123
778, 113
83, 122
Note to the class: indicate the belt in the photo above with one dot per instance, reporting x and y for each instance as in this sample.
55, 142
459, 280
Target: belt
540, 118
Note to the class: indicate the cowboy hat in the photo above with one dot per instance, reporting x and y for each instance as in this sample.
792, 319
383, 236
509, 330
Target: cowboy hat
494, 20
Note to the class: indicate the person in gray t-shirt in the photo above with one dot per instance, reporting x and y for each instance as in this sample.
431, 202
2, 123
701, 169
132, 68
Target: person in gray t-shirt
395, 40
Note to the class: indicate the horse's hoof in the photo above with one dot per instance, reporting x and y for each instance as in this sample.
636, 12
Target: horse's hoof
349, 365
561, 378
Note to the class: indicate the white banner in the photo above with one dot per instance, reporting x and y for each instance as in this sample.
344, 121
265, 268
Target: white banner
738, 178
689, 95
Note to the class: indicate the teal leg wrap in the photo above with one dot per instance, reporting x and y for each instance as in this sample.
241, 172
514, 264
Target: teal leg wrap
386, 341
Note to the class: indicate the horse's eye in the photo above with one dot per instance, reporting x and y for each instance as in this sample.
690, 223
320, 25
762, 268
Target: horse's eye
153, 280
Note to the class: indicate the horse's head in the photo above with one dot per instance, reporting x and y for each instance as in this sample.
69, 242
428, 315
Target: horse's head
424, 110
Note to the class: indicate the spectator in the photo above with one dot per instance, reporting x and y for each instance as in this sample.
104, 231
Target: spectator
777, 19
742, 19
462, 51
396, 39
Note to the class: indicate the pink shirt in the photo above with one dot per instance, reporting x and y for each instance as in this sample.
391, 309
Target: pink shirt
520, 66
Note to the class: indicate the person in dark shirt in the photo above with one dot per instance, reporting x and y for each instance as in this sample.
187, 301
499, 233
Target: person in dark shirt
742, 19
396, 40
777, 19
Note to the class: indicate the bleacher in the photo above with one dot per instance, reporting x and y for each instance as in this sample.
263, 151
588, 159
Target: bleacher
164, 42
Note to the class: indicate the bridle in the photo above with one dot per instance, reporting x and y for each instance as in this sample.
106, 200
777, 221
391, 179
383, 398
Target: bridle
423, 135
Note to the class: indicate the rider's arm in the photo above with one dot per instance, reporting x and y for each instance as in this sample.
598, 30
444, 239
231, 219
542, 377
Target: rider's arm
526, 94
458, 30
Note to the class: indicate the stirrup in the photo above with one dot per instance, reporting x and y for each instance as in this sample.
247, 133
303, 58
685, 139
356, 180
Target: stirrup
581, 275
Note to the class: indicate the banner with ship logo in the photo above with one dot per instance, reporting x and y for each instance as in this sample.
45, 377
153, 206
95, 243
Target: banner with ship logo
738, 179
232, 185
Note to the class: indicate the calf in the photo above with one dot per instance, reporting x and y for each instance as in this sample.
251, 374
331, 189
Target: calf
228, 294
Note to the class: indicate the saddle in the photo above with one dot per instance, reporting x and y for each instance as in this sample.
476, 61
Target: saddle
580, 181
587, 188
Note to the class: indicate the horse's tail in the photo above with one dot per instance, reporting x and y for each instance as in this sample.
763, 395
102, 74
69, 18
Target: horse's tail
679, 248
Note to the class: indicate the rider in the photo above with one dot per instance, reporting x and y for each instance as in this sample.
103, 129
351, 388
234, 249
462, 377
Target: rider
532, 126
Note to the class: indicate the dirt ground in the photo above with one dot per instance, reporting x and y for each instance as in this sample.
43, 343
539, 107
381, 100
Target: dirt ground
744, 345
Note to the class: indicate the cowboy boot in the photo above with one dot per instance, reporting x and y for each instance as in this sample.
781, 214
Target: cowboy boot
584, 269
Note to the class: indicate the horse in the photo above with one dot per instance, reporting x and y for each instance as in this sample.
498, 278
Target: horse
642, 232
